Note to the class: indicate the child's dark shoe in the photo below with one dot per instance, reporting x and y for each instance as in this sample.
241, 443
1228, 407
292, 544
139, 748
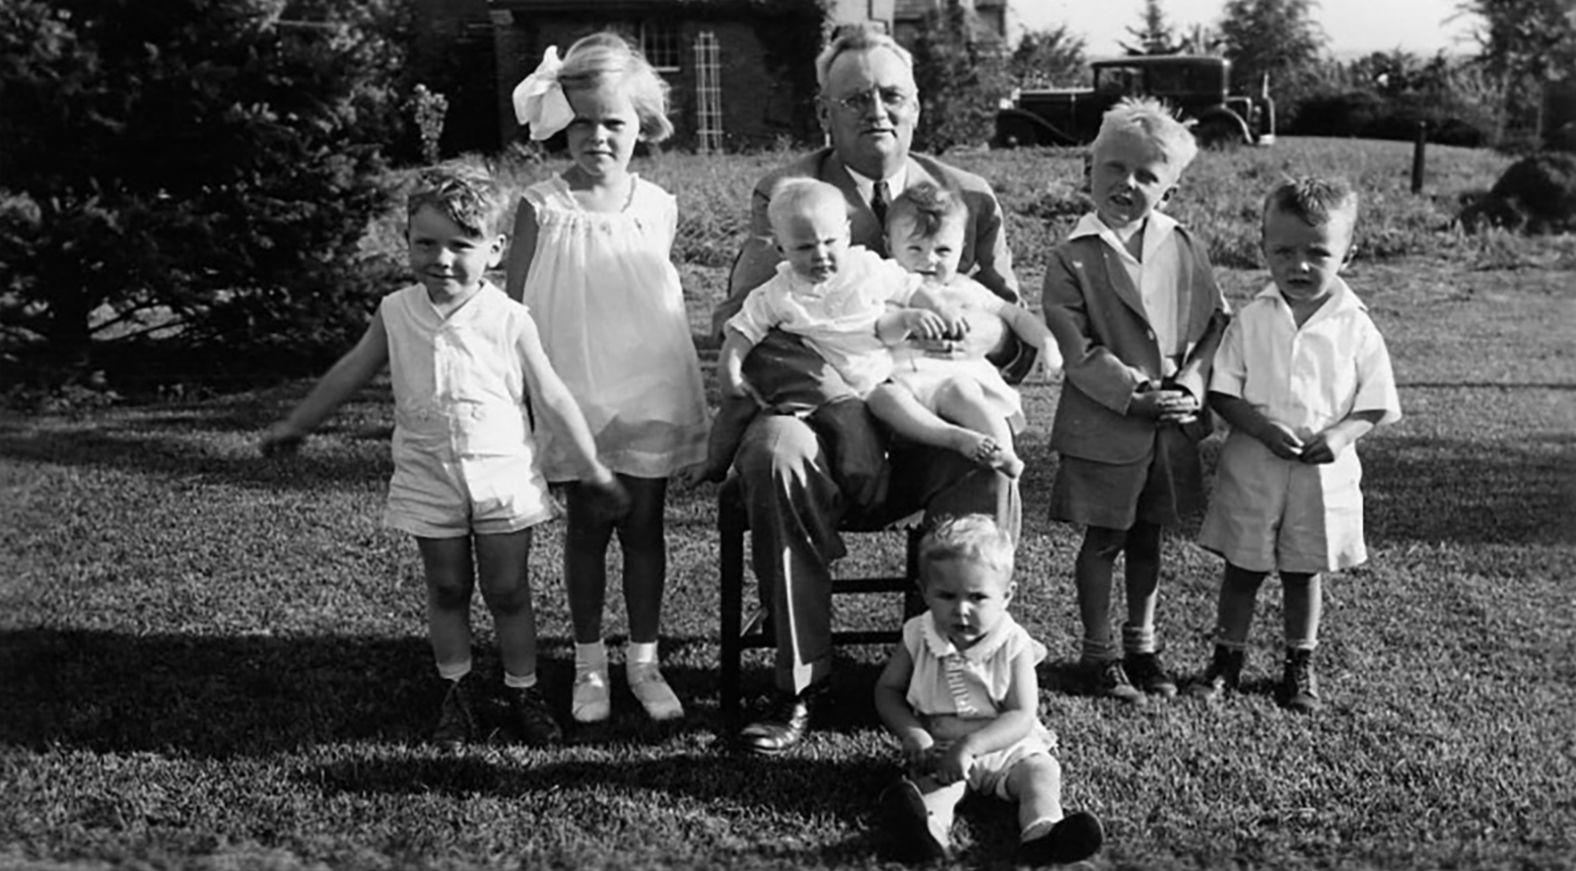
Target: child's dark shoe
1073, 838
1109, 679
1148, 674
457, 723
1299, 689
533, 717
1224, 674
908, 825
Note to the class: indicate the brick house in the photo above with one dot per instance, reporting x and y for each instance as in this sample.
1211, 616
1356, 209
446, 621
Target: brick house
741, 71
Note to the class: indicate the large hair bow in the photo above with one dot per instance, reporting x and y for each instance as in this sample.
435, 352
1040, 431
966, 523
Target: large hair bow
539, 100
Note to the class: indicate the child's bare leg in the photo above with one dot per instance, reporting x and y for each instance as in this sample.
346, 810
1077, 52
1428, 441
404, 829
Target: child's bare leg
899, 409
450, 580
962, 401
1048, 835
502, 565
1036, 784
502, 562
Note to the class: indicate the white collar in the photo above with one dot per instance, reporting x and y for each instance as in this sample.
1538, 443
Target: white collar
897, 182
1159, 226
1342, 298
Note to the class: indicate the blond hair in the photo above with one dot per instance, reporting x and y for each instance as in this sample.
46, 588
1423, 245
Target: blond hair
462, 192
1150, 121
802, 196
857, 37
607, 58
972, 538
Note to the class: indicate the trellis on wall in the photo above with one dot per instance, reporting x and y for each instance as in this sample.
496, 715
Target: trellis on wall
708, 88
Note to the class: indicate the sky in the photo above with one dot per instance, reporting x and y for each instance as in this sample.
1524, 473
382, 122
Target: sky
1354, 27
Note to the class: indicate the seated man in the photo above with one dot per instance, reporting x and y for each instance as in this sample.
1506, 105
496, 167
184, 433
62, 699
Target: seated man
868, 104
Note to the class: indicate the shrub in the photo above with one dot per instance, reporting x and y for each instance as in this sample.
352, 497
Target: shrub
1537, 194
1368, 115
198, 167
961, 70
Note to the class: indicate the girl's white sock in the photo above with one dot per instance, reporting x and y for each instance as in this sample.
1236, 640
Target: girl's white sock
640, 653
591, 657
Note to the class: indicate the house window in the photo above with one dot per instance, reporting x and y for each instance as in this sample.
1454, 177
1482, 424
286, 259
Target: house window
661, 44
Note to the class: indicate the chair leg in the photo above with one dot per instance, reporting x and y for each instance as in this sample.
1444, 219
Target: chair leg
732, 594
913, 602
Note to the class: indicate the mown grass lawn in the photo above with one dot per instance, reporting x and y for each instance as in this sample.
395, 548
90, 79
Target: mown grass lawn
211, 660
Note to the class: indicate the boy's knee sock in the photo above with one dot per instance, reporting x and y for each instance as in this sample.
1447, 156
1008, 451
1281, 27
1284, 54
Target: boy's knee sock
1096, 649
1138, 639
519, 681
454, 670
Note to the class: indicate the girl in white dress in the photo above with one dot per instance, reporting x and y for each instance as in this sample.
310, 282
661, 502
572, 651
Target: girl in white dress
590, 257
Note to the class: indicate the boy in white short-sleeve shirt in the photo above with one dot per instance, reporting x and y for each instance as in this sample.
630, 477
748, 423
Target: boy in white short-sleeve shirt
1301, 374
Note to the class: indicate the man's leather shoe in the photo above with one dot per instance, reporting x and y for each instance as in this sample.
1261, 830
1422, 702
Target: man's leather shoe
785, 723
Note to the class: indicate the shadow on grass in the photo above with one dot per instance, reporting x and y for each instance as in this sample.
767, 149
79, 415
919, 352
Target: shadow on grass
251, 694
177, 455
802, 787
1424, 489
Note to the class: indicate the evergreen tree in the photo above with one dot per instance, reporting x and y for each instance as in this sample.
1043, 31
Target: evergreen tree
213, 162
1155, 35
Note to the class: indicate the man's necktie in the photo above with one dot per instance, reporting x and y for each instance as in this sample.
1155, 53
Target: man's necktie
879, 200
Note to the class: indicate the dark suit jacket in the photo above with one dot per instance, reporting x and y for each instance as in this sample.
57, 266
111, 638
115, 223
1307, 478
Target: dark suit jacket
985, 252
1108, 348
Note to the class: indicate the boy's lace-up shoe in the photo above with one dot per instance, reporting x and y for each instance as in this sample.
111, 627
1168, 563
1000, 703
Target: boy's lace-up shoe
1109, 679
533, 717
1149, 675
1224, 674
1074, 838
907, 824
648, 685
457, 724
589, 702
1299, 688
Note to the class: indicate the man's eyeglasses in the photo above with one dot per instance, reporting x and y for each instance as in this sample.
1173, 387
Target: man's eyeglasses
892, 99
